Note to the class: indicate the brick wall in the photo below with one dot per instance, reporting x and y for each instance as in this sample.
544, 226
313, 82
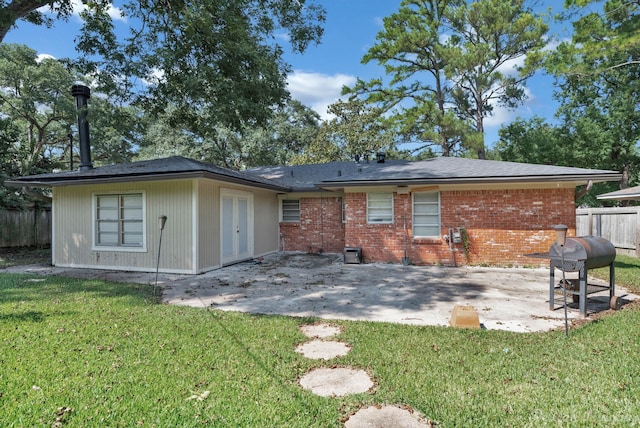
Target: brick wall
502, 226
320, 228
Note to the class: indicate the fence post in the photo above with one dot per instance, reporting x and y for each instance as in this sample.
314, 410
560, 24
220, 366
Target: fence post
637, 231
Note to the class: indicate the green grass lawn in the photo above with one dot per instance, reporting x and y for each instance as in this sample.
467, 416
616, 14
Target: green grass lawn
79, 353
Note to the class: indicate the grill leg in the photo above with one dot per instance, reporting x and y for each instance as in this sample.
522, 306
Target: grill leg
552, 286
612, 282
583, 292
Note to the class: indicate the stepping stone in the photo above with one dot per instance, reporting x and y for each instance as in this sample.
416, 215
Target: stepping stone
332, 382
320, 331
326, 350
388, 416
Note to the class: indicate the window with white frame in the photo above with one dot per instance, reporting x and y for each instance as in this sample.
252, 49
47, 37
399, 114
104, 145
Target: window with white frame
426, 214
290, 210
119, 220
380, 207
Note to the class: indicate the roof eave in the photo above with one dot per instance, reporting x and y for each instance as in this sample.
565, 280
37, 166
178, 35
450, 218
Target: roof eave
72, 181
619, 198
578, 179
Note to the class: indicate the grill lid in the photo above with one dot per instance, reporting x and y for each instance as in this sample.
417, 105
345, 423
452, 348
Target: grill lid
594, 250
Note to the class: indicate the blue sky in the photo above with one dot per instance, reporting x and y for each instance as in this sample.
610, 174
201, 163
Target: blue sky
318, 76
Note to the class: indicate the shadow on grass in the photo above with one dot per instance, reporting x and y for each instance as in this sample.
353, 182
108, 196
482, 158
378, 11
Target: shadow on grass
28, 316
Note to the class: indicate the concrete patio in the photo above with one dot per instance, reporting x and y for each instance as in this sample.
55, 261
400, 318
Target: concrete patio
301, 285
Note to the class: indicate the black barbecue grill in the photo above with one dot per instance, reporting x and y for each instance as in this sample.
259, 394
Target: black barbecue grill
580, 255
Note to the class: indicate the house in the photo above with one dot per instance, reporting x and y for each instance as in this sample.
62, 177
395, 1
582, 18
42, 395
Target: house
436, 211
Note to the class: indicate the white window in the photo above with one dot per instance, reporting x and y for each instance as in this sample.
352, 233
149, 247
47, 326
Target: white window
426, 214
380, 207
119, 220
344, 210
290, 210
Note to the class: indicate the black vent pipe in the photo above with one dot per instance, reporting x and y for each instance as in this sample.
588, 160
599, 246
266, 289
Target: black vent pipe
82, 94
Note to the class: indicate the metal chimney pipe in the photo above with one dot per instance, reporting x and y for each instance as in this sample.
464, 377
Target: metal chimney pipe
82, 94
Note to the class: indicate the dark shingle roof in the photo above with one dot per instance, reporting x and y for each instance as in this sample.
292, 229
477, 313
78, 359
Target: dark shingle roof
440, 170
166, 168
314, 177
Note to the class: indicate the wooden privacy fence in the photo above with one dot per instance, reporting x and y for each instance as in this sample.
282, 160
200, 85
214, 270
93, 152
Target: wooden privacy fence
25, 228
621, 226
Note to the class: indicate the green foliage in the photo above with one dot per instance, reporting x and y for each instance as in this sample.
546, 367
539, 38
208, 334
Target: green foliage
534, 141
579, 143
31, 11
598, 92
40, 113
604, 38
355, 132
288, 132
207, 63
35, 97
202, 66
447, 66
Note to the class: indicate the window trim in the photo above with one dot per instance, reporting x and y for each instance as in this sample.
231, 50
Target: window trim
120, 248
413, 216
390, 221
282, 203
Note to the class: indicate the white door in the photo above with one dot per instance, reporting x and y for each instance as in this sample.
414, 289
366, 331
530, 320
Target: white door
236, 225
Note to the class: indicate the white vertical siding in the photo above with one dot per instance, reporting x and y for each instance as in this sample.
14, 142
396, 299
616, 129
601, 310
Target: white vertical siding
208, 225
266, 232
190, 240
73, 228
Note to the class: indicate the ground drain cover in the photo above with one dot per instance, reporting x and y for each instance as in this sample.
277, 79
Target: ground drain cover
319, 349
329, 382
320, 330
383, 417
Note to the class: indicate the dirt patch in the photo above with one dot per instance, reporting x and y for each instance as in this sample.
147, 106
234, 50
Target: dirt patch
20, 256
302, 261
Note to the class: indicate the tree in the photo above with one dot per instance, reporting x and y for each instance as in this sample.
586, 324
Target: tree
356, 132
446, 63
537, 142
36, 96
599, 91
534, 141
30, 11
290, 131
39, 113
609, 32
10, 161
490, 35
218, 62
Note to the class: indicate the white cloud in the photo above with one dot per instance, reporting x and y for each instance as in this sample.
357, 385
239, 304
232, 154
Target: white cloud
114, 12
318, 90
503, 115
510, 67
42, 57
